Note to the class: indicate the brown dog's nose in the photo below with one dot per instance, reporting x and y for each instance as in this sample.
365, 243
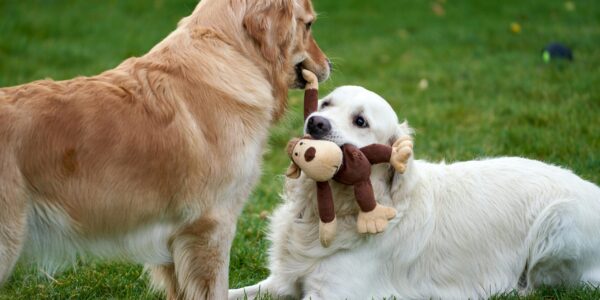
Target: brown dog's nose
318, 127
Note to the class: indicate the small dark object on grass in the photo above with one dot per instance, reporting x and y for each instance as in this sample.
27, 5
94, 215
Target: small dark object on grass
556, 51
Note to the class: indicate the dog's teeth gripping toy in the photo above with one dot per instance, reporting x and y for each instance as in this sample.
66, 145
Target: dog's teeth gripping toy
324, 160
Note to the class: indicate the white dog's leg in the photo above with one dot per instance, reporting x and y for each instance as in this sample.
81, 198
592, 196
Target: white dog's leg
592, 276
251, 292
276, 286
357, 274
312, 296
564, 247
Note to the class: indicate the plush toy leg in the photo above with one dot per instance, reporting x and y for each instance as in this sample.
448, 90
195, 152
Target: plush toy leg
327, 232
372, 217
376, 220
401, 152
328, 223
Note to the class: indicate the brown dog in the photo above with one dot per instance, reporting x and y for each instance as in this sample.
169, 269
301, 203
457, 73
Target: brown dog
152, 161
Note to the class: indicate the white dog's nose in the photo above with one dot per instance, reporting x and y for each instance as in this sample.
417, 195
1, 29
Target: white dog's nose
318, 127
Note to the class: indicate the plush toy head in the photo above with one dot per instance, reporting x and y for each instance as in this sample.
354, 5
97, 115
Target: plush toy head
320, 160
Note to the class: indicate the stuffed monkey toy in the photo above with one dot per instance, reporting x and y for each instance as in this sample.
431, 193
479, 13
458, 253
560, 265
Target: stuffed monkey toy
324, 160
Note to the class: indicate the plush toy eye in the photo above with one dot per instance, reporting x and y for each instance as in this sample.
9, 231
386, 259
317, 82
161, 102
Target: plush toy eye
296, 154
301, 143
361, 122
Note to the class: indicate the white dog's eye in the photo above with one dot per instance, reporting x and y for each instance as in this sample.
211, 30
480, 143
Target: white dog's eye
325, 104
308, 25
360, 122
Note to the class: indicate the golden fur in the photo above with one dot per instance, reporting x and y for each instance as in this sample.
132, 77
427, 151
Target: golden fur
164, 147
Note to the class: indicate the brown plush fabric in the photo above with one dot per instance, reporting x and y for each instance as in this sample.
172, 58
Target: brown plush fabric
377, 153
363, 191
325, 202
310, 153
355, 166
311, 101
356, 171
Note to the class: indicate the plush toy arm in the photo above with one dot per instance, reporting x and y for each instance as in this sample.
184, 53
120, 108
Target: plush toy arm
312, 82
311, 93
402, 150
377, 153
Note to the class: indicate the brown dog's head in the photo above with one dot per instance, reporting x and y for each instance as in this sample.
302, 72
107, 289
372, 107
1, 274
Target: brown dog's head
282, 30
274, 35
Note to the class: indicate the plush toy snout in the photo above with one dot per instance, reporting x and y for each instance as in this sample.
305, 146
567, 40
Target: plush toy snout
320, 160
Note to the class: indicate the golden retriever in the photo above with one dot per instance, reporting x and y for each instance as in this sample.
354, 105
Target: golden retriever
152, 161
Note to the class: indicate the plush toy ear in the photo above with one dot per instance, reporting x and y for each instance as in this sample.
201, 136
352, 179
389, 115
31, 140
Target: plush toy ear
289, 148
269, 23
293, 171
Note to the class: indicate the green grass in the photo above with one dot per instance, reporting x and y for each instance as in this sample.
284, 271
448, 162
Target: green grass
489, 94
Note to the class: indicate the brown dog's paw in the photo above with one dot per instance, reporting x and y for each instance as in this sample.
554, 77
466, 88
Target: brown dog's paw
327, 232
402, 150
376, 220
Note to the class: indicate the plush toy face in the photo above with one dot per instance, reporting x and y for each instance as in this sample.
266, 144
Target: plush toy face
319, 160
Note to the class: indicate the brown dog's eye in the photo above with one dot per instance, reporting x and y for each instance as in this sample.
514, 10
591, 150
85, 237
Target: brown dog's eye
308, 25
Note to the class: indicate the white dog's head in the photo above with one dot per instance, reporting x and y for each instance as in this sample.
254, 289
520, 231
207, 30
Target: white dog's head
355, 115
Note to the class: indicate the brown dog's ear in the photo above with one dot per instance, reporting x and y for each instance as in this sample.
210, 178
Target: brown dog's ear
293, 171
269, 24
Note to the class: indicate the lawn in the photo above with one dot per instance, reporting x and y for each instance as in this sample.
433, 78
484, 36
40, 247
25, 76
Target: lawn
488, 94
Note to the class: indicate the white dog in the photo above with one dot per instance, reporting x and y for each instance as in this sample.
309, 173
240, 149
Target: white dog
464, 230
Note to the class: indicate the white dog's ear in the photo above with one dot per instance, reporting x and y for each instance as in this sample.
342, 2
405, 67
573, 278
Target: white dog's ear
401, 130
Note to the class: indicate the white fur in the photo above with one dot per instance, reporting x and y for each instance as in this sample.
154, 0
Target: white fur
464, 230
53, 243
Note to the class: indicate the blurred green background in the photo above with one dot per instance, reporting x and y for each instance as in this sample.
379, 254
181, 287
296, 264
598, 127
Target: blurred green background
467, 75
